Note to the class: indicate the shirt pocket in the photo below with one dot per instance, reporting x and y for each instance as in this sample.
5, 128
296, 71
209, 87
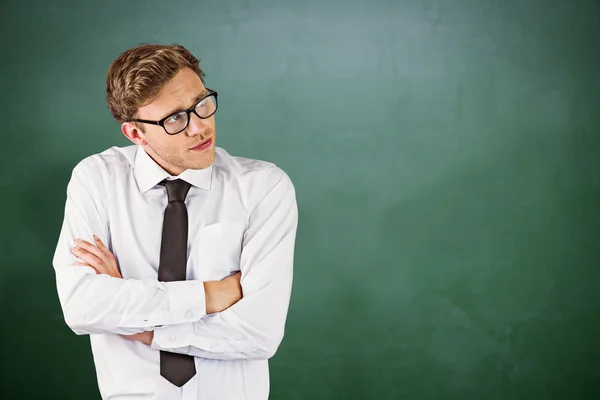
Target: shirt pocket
216, 251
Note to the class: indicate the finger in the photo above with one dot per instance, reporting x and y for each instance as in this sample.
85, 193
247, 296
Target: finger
86, 255
90, 259
82, 244
81, 264
109, 258
100, 244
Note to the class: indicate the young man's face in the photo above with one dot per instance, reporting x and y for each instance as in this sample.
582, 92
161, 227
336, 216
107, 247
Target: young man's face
176, 153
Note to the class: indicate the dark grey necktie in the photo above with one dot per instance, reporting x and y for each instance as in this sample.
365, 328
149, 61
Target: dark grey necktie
176, 368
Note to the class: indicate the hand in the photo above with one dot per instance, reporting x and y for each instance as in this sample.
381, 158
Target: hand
97, 257
220, 295
144, 337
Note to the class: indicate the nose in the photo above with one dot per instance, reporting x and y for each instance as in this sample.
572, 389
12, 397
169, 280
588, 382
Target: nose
197, 126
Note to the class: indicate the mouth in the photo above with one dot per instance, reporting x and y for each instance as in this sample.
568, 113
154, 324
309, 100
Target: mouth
203, 145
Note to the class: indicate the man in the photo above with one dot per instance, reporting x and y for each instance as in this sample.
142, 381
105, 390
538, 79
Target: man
174, 256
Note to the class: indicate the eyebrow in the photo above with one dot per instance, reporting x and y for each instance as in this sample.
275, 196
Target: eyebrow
179, 109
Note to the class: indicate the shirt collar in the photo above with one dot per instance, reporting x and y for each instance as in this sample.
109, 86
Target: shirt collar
149, 174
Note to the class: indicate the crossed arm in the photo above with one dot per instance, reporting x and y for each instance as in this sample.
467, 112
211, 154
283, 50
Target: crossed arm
205, 319
219, 295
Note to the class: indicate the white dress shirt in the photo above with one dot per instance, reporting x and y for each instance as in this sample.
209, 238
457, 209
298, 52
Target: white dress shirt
242, 217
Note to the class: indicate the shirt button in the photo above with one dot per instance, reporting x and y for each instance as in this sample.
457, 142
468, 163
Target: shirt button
189, 314
172, 338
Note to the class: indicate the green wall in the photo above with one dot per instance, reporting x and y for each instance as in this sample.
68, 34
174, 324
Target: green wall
446, 160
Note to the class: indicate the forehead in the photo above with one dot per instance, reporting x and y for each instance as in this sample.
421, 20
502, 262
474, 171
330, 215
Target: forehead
179, 93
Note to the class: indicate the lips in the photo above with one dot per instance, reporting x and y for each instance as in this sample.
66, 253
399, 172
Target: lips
203, 145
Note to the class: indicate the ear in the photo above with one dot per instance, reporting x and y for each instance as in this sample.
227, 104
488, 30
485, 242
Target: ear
133, 133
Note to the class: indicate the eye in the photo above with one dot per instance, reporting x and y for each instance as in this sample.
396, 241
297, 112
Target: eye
173, 118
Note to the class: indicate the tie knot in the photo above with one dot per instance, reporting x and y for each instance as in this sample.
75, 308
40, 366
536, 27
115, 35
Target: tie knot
177, 189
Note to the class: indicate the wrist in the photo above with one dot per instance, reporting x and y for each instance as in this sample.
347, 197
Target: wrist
209, 288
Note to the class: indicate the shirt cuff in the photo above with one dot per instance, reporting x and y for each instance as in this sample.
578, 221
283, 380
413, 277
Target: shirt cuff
172, 337
198, 339
187, 301
179, 339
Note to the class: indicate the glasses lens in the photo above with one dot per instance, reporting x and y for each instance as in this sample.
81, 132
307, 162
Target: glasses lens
176, 122
207, 106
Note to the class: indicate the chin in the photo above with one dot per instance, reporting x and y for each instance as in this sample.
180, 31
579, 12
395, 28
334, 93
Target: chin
204, 162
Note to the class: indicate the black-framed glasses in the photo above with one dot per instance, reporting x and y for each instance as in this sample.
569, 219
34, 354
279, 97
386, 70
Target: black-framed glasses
179, 121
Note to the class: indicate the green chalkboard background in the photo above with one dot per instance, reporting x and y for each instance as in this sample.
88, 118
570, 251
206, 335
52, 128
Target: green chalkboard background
446, 156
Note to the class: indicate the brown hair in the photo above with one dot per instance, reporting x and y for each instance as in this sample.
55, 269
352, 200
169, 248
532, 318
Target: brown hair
138, 74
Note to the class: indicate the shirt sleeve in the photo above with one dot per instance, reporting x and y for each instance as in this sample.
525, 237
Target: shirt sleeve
98, 303
253, 327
